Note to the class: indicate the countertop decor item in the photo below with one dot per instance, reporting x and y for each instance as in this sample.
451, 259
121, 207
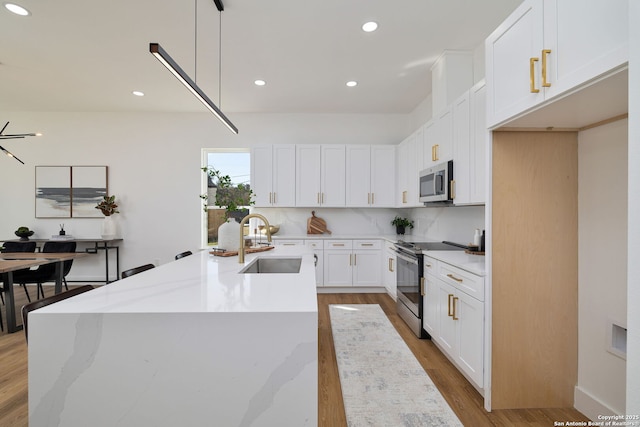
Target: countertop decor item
401, 224
108, 206
24, 233
316, 225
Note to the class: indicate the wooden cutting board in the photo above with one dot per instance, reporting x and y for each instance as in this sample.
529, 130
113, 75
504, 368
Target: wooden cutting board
316, 225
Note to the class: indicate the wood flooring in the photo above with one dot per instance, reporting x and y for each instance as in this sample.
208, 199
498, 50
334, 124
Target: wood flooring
463, 398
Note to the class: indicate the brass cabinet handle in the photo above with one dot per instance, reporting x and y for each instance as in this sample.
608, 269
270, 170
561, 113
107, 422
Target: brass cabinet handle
422, 286
404, 197
270, 198
355, 259
366, 244
452, 189
318, 197
433, 153
288, 244
350, 259
451, 276
545, 53
436, 151
428, 265
337, 244
368, 198
454, 308
532, 66
391, 265
322, 198
449, 305
372, 198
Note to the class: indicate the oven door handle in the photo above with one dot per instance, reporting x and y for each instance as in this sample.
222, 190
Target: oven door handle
406, 258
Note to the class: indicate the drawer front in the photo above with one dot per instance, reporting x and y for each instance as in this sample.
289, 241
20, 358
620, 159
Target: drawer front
468, 283
367, 244
288, 242
338, 244
430, 266
314, 244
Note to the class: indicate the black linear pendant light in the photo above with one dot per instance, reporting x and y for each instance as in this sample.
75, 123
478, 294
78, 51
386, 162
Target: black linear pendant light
171, 65
13, 136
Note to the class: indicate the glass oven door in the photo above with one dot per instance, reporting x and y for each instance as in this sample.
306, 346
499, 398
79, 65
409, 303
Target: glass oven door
408, 282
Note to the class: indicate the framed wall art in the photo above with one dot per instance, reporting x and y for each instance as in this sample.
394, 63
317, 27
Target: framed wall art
70, 191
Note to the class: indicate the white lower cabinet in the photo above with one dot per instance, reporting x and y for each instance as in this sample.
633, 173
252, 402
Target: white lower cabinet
352, 263
317, 247
389, 277
454, 318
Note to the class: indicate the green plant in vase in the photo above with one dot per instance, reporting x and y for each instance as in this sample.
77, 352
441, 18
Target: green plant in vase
401, 224
228, 197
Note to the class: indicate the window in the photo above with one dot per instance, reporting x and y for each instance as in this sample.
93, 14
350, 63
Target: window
236, 163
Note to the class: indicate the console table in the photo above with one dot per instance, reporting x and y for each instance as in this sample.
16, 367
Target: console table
98, 245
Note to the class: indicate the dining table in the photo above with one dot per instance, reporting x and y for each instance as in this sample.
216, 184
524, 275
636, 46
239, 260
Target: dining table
13, 261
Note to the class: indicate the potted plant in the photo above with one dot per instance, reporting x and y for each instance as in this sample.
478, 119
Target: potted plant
108, 207
401, 224
24, 233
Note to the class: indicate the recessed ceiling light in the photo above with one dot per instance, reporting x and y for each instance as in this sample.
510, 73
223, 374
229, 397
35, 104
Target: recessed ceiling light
18, 10
369, 26
352, 83
137, 93
260, 83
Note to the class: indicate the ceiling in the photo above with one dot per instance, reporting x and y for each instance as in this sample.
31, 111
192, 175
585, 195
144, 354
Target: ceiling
78, 55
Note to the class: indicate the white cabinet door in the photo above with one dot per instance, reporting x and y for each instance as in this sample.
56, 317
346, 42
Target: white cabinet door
585, 40
283, 175
338, 267
389, 270
470, 341
333, 176
446, 332
261, 175
430, 139
366, 268
512, 75
358, 172
444, 147
480, 137
401, 168
461, 150
308, 170
431, 314
316, 246
383, 175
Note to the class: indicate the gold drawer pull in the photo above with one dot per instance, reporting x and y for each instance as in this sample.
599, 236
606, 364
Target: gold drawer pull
422, 286
451, 276
366, 244
449, 305
337, 244
454, 308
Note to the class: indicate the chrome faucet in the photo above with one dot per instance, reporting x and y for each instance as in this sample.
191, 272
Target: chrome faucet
242, 223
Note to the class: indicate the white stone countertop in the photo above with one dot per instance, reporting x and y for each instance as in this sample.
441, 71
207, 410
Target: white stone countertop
472, 263
204, 283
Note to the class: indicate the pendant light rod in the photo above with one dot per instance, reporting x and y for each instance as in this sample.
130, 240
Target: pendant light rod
171, 65
13, 136
10, 154
219, 5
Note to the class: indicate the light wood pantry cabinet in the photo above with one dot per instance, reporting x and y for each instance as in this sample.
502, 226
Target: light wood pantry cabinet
548, 47
273, 176
370, 175
454, 316
352, 263
320, 175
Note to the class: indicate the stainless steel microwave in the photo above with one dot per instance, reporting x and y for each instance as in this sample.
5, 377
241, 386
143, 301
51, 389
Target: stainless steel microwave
436, 183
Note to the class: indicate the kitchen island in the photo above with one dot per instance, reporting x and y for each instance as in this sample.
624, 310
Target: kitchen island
190, 343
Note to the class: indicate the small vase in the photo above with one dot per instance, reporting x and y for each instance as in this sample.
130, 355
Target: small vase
229, 235
399, 229
108, 228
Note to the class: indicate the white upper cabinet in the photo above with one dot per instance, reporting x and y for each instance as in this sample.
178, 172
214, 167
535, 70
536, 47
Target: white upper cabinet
470, 139
370, 175
407, 173
273, 175
320, 175
548, 47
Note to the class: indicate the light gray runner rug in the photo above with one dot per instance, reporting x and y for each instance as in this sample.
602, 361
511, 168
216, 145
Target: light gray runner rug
383, 384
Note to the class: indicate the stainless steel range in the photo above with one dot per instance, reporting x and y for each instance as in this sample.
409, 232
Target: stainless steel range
410, 279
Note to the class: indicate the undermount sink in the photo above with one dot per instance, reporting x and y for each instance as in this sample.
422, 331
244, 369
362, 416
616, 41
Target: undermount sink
272, 265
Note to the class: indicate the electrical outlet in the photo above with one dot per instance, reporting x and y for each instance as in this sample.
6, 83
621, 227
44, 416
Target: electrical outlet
156, 262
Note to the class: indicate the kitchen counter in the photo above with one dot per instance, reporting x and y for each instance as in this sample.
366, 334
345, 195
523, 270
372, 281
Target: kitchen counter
472, 263
192, 342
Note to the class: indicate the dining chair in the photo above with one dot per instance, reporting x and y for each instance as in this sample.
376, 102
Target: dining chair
137, 270
184, 254
17, 247
46, 272
28, 308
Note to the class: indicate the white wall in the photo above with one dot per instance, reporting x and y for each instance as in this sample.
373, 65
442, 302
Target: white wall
633, 274
602, 271
154, 169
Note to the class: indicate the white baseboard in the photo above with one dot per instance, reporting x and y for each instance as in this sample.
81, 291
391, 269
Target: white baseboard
591, 406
